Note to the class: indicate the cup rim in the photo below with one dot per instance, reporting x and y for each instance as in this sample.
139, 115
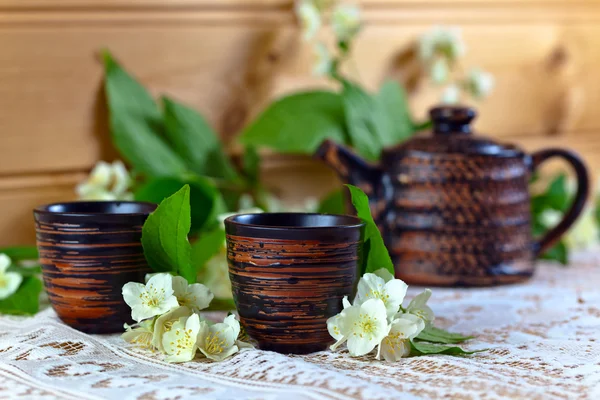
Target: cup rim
46, 208
357, 222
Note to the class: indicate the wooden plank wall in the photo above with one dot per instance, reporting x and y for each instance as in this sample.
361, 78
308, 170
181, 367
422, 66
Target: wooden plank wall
230, 57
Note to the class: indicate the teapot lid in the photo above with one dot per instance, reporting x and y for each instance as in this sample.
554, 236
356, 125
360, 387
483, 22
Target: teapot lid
452, 133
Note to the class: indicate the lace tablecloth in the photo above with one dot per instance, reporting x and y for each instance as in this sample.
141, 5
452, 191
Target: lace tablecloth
543, 339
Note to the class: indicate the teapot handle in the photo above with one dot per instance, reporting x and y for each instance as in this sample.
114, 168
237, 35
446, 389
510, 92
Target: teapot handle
576, 208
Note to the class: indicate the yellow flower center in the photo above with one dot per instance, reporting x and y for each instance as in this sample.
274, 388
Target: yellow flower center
214, 344
419, 313
366, 325
380, 293
169, 324
394, 341
144, 339
152, 296
3, 281
187, 299
183, 342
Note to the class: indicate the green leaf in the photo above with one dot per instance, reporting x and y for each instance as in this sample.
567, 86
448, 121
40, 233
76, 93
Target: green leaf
164, 236
559, 252
396, 122
196, 142
333, 203
438, 335
377, 255
298, 123
208, 245
220, 207
422, 348
33, 270
363, 121
204, 197
251, 165
221, 305
556, 195
20, 253
539, 205
136, 124
26, 300
421, 126
344, 46
230, 199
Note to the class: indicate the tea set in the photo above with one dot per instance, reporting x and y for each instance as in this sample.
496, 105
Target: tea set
453, 209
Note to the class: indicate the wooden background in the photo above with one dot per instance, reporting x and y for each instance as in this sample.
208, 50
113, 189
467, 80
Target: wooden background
229, 57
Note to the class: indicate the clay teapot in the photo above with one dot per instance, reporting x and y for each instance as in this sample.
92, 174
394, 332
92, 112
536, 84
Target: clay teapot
454, 207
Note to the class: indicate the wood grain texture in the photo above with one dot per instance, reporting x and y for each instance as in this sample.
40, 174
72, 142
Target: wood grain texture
229, 58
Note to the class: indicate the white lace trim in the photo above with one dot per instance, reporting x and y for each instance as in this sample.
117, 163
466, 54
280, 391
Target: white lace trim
542, 336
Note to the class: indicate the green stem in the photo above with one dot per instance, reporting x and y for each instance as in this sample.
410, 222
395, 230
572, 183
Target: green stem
421, 126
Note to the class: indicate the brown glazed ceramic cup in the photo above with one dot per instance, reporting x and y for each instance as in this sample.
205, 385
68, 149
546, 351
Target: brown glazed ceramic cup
289, 273
88, 251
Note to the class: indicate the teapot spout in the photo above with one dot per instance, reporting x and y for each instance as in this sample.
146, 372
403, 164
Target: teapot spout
351, 168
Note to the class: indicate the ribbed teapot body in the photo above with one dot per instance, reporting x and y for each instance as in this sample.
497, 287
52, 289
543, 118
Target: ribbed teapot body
454, 207
459, 219
460, 210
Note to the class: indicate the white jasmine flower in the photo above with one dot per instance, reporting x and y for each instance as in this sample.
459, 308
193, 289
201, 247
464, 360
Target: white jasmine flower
180, 342
443, 42
140, 334
479, 83
165, 323
439, 71
121, 179
195, 296
218, 341
154, 298
345, 302
391, 292
97, 182
310, 18
9, 281
571, 186
550, 218
235, 325
246, 202
274, 204
106, 182
345, 21
101, 175
310, 204
150, 275
362, 326
418, 307
397, 343
97, 195
324, 61
451, 94
333, 323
